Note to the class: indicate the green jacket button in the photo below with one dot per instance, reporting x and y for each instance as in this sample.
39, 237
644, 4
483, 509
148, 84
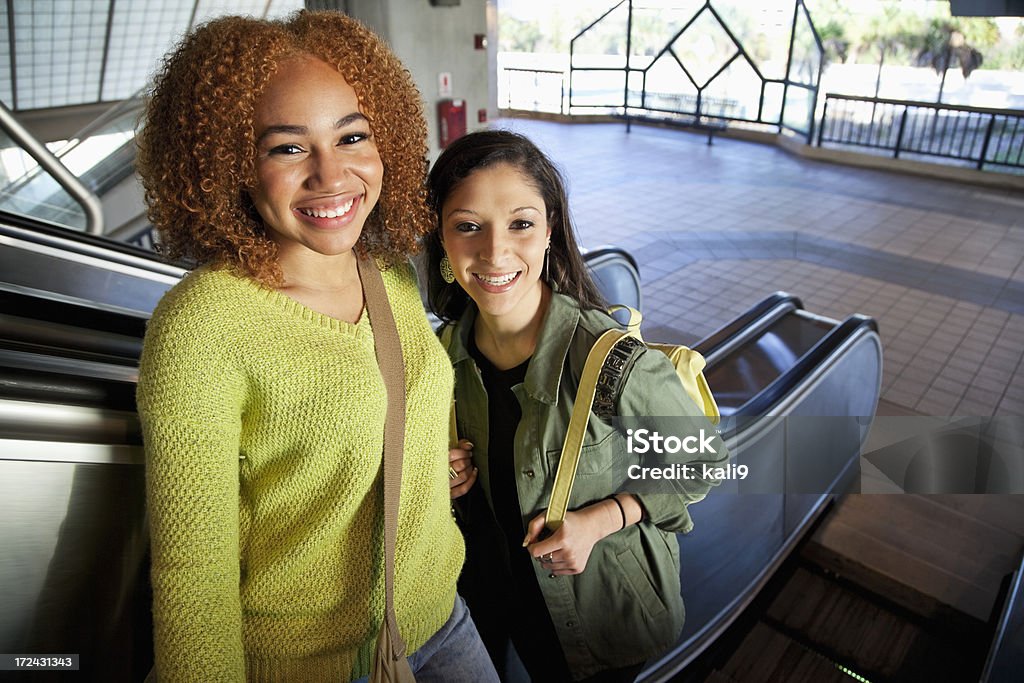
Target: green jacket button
529, 473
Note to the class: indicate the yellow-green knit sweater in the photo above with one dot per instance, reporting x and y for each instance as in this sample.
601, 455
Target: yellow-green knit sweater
263, 423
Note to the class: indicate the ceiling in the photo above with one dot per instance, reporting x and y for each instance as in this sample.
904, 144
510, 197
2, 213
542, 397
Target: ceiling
57, 54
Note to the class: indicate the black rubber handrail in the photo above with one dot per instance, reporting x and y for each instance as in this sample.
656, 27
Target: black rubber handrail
1007, 649
785, 383
22, 384
34, 227
46, 311
725, 334
48, 332
605, 250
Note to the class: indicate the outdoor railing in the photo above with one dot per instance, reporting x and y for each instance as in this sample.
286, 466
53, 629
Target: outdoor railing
627, 82
984, 137
533, 90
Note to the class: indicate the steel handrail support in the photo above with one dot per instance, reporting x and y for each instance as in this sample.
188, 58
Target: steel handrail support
988, 139
90, 203
899, 136
824, 118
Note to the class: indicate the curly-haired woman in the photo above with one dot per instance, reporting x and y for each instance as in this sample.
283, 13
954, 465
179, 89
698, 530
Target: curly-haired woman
276, 154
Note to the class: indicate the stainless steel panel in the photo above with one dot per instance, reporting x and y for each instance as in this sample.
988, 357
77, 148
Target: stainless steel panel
73, 569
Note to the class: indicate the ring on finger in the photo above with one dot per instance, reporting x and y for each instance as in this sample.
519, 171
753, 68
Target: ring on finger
452, 474
547, 558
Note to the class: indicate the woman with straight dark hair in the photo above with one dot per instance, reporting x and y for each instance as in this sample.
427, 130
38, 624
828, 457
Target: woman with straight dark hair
599, 596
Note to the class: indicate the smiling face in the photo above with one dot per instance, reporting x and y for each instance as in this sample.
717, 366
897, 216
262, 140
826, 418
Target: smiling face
494, 229
317, 167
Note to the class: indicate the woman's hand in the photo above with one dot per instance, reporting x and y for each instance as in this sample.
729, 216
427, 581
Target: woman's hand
567, 550
461, 472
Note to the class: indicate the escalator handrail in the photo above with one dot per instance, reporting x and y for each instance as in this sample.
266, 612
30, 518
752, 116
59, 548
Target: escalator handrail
781, 386
739, 325
93, 323
58, 237
1008, 641
89, 202
607, 250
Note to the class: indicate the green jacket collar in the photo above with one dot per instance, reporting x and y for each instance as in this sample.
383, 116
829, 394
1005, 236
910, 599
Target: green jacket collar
556, 333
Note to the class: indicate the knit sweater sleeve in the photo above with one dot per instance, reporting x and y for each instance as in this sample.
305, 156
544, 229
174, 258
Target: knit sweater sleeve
190, 399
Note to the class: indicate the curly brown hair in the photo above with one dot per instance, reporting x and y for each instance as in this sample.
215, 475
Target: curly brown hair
197, 150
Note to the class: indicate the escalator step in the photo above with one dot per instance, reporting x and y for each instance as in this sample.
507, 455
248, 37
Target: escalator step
876, 638
844, 624
768, 656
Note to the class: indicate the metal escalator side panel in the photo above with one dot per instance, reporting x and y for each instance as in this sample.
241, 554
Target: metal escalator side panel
74, 565
27, 428
85, 276
36, 232
803, 450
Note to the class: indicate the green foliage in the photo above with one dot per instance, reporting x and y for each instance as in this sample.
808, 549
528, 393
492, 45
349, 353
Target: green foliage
981, 32
944, 46
834, 40
517, 35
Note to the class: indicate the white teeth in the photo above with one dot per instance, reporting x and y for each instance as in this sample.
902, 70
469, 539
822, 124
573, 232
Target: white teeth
497, 280
329, 213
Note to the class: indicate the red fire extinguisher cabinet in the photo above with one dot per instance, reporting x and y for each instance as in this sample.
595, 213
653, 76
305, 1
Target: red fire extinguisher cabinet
451, 119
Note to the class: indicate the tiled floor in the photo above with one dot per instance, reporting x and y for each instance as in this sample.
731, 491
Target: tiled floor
716, 228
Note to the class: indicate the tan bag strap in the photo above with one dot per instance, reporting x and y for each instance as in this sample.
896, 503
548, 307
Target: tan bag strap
573, 444
453, 427
388, 348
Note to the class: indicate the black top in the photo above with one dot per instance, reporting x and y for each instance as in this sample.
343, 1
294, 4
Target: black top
512, 605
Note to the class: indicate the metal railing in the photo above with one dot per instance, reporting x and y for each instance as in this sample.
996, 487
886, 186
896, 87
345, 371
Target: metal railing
691, 101
89, 202
984, 137
545, 90
630, 89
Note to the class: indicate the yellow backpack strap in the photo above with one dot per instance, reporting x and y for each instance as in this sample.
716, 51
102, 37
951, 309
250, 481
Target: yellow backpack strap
453, 427
689, 366
573, 444
635, 317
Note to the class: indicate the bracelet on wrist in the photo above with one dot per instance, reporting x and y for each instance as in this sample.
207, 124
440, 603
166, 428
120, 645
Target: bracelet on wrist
622, 510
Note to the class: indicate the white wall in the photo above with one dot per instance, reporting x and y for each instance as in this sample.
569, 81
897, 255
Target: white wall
431, 40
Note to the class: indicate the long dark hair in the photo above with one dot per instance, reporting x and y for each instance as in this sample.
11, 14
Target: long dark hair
567, 272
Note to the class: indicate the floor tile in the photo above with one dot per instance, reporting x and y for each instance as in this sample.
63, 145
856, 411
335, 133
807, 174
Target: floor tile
939, 264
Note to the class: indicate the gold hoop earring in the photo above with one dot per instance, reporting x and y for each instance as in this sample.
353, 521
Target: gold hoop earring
447, 274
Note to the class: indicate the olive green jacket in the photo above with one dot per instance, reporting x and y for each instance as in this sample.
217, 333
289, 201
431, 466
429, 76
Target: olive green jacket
625, 607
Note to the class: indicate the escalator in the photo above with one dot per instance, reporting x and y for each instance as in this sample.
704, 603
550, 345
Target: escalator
767, 600
797, 392
74, 309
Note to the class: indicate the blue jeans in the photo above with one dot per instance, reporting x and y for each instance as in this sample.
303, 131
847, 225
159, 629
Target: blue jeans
455, 654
